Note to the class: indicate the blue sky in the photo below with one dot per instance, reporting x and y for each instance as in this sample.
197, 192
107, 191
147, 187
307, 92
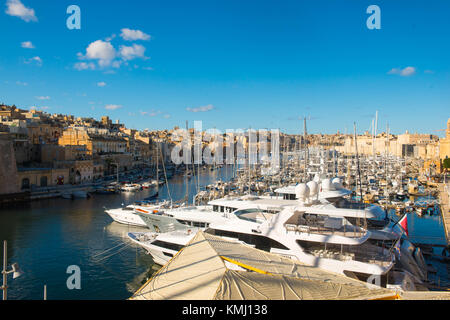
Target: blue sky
232, 64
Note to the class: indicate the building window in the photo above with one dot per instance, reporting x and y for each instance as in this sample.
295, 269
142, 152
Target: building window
44, 181
25, 183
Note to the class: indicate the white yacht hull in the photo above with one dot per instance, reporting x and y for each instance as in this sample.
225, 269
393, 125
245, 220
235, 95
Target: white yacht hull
159, 255
128, 218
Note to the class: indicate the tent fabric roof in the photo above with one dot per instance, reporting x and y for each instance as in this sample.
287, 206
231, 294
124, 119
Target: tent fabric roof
210, 268
426, 295
196, 271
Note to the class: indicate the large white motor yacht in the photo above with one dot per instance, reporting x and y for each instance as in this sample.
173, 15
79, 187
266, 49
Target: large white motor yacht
325, 242
315, 209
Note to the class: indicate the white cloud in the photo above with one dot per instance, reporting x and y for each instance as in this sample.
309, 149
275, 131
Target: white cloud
112, 107
43, 98
20, 83
84, 66
116, 64
100, 50
109, 39
406, 72
105, 56
133, 52
132, 35
39, 108
152, 113
17, 9
27, 45
36, 60
207, 108
101, 84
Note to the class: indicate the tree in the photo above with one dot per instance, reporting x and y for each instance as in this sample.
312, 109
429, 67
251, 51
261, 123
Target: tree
446, 163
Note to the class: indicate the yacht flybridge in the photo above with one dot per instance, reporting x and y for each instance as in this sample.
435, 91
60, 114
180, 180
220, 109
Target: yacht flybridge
328, 197
322, 241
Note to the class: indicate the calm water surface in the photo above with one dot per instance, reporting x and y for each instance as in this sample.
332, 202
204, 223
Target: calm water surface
47, 236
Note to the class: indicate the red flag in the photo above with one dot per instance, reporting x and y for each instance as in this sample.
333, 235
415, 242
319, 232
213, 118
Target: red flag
404, 223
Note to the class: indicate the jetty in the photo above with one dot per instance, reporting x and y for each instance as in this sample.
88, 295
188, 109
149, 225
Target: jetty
444, 195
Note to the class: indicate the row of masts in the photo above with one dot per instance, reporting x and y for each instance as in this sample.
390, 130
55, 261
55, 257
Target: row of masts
302, 163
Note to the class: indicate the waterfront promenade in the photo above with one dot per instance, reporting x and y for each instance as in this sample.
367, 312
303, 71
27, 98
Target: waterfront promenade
444, 196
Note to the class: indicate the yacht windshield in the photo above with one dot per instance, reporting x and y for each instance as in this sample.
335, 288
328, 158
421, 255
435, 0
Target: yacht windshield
252, 215
345, 204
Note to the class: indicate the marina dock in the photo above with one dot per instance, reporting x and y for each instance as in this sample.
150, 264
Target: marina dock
444, 195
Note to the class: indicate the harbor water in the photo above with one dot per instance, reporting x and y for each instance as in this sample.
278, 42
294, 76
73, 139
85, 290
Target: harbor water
45, 237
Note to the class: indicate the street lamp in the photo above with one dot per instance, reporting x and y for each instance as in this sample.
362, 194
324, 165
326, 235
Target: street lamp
15, 271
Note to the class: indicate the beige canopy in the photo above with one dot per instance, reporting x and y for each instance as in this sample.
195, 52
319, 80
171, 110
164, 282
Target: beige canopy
211, 268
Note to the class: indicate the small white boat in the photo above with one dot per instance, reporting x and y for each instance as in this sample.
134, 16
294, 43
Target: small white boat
147, 185
130, 187
126, 215
129, 214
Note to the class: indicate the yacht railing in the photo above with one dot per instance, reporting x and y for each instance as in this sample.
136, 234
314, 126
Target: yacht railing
355, 233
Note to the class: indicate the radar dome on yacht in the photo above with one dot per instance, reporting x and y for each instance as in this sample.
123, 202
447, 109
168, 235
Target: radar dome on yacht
327, 185
313, 188
337, 183
302, 191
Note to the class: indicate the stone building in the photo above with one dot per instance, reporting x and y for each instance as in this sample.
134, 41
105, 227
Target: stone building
30, 178
96, 143
11, 113
8, 168
44, 133
79, 171
48, 153
444, 144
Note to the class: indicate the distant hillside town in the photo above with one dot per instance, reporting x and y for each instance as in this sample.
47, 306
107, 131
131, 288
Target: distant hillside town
39, 149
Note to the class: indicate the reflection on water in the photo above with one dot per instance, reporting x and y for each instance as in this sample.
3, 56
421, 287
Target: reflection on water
47, 236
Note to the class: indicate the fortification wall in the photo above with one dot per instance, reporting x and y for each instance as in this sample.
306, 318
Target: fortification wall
8, 169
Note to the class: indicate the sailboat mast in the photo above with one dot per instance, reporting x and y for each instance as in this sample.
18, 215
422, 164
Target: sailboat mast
306, 148
157, 166
187, 168
375, 137
357, 162
249, 140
